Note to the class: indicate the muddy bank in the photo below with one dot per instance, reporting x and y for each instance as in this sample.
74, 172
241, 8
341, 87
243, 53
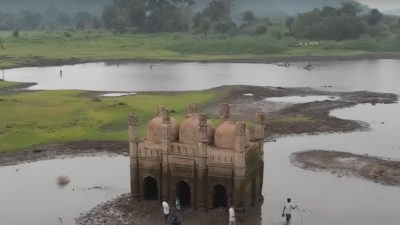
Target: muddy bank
296, 118
380, 170
124, 210
38, 61
71, 149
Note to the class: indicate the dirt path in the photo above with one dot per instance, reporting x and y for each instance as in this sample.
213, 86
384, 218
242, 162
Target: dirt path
380, 170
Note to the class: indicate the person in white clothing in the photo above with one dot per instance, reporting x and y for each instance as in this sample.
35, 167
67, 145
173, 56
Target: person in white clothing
232, 218
287, 210
165, 209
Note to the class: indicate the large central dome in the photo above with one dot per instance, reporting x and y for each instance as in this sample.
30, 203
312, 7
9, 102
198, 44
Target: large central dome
189, 130
225, 135
154, 130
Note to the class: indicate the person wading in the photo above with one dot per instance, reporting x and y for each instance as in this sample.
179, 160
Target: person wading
165, 209
287, 210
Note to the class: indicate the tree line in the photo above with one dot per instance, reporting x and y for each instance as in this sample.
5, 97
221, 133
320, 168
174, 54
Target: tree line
51, 18
345, 22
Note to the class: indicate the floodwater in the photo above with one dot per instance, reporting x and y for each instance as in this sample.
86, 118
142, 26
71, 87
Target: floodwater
30, 194
376, 75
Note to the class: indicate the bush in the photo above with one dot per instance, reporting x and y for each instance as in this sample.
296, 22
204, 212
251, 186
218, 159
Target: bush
16, 33
262, 29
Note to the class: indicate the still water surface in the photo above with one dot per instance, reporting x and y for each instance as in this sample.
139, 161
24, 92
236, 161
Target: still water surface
375, 75
31, 194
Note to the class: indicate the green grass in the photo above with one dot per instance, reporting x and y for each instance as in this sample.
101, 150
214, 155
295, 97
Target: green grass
37, 118
32, 48
5, 85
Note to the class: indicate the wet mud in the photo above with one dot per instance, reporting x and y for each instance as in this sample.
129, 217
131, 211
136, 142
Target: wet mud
379, 170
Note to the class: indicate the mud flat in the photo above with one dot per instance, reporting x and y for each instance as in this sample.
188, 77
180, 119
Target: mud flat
297, 118
379, 170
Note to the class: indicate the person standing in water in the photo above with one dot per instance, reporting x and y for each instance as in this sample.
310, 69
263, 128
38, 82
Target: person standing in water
232, 218
165, 209
287, 210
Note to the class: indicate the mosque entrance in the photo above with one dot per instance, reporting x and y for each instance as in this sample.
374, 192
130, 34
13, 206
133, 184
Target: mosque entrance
220, 197
150, 189
183, 193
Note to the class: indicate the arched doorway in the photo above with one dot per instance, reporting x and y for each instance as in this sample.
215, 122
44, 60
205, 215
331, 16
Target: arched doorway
183, 193
220, 197
150, 189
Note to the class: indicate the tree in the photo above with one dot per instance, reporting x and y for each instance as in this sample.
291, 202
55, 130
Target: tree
110, 13
289, 24
16, 33
216, 11
248, 17
374, 17
350, 8
262, 29
205, 25
96, 23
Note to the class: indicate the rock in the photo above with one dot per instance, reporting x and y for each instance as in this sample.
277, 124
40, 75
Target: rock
63, 180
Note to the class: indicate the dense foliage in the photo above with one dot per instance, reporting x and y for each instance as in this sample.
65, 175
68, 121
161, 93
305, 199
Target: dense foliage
345, 22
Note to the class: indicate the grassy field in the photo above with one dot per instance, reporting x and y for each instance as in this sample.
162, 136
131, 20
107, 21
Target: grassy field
42, 48
7, 85
36, 118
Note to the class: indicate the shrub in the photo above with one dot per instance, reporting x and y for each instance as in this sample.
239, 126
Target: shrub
262, 29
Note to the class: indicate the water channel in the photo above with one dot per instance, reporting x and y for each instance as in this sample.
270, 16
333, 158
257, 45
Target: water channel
28, 191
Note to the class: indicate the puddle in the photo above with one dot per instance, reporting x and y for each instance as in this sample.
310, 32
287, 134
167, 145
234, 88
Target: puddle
302, 99
117, 94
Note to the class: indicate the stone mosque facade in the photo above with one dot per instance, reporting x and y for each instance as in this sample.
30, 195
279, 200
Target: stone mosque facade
202, 166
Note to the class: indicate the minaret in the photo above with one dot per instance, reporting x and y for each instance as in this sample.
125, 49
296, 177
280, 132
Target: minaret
192, 109
134, 154
166, 138
202, 162
224, 112
260, 136
260, 126
239, 166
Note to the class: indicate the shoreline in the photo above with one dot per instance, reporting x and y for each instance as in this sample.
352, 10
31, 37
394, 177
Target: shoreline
44, 62
380, 170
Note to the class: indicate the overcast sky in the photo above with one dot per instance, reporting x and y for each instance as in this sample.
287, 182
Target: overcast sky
382, 4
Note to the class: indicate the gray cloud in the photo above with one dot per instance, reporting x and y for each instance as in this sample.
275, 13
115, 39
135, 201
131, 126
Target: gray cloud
382, 4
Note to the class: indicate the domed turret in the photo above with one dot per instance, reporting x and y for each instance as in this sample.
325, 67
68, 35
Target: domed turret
225, 135
154, 129
189, 130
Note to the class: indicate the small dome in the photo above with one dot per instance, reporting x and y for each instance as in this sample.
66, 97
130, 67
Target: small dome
225, 135
189, 130
154, 129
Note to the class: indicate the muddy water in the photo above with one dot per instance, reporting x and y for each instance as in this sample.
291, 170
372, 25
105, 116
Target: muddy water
376, 75
29, 193
326, 198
